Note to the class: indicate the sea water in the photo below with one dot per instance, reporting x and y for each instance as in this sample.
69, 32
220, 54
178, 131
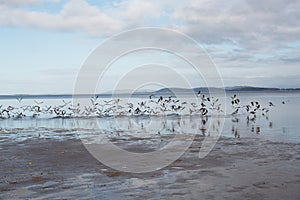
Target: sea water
280, 124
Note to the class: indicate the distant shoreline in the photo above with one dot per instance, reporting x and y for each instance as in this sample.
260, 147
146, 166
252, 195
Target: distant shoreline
164, 91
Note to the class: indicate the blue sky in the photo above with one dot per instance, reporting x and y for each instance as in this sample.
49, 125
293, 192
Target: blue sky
43, 43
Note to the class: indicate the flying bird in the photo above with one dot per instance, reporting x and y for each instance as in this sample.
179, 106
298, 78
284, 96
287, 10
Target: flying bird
41, 102
19, 99
199, 93
235, 112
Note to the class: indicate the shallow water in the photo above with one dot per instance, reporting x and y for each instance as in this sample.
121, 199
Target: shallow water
281, 123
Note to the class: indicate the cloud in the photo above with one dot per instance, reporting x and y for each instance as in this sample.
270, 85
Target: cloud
76, 15
245, 38
287, 59
80, 16
249, 23
14, 3
137, 12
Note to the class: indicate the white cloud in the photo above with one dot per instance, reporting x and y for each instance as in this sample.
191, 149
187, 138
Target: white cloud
245, 22
76, 15
24, 2
137, 12
249, 23
259, 32
80, 16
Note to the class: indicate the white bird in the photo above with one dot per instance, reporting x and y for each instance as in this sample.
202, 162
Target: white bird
199, 93
19, 99
41, 102
235, 112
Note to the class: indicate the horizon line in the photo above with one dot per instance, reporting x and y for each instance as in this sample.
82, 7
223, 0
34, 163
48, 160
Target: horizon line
226, 88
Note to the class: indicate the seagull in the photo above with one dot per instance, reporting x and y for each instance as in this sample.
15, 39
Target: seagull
154, 112
142, 104
47, 108
199, 93
26, 107
191, 111
65, 104
237, 101
257, 130
232, 102
176, 108
152, 95
235, 112
137, 111
107, 102
130, 105
93, 99
41, 102
252, 112
10, 108
219, 109
170, 97
265, 111
37, 108
235, 120
247, 108
160, 99
168, 100
7, 113
176, 101
3, 111
204, 111
194, 104
19, 99
271, 104
117, 101
20, 115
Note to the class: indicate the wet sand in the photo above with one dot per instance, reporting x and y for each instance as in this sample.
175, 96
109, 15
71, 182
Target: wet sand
43, 168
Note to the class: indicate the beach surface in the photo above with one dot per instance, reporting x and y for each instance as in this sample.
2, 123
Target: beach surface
259, 158
245, 168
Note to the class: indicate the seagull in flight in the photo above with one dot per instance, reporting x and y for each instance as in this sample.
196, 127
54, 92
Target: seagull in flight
235, 112
41, 102
199, 93
19, 99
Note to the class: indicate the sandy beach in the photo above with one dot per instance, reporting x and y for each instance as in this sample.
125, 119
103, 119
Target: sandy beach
136, 100
43, 168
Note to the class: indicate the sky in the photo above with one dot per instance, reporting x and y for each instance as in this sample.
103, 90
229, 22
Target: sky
44, 43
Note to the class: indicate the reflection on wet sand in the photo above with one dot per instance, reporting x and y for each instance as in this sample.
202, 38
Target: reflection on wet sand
55, 169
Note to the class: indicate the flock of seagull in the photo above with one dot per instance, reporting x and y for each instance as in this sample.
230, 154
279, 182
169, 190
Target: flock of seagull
151, 106
252, 108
